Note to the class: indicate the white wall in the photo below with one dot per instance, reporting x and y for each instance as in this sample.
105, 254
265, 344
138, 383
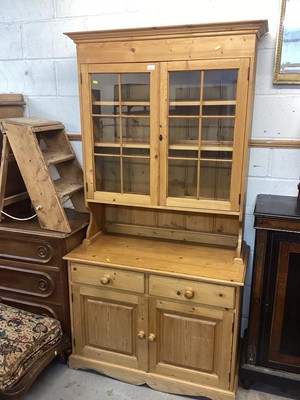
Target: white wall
36, 59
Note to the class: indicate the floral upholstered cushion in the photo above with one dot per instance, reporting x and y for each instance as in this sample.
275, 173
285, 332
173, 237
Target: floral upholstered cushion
24, 337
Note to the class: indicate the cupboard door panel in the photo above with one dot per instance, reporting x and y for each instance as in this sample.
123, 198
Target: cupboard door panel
191, 343
102, 328
106, 326
192, 334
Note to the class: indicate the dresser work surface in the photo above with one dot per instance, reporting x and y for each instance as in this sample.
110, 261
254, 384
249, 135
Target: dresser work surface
157, 256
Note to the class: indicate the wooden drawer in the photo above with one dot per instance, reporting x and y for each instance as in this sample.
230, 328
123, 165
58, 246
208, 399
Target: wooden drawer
30, 282
25, 249
107, 277
188, 290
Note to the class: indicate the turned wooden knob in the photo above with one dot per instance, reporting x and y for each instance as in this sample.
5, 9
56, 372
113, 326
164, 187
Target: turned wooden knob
141, 335
105, 279
151, 337
189, 293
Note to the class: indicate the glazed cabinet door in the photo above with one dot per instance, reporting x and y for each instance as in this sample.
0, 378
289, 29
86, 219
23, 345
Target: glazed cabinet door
203, 133
190, 342
120, 108
109, 326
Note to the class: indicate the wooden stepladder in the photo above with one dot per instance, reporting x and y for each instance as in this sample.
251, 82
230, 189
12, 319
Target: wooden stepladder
49, 168
13, 192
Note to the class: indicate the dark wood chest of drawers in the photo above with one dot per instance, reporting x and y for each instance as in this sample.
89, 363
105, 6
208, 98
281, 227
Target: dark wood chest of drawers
33, 274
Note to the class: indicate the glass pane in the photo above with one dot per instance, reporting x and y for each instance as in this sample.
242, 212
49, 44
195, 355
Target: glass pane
217, 130
107, 174
182, 178
184, 85
136, 173
106, 130
290, 334
135, 110
215, 178
182, 130
129, 151
184, 110
107, 150
220, 85
103, 87
96, 109
135, 87
136, 130
184, 153
105, 109
216, 155
218, 110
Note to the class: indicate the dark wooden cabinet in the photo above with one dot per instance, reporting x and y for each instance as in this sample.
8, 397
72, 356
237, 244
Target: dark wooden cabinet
33, 274
272, 345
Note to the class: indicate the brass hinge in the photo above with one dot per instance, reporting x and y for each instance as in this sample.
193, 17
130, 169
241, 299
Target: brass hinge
80, 77
240, 198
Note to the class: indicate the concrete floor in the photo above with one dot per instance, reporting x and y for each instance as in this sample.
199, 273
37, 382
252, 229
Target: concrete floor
58, 382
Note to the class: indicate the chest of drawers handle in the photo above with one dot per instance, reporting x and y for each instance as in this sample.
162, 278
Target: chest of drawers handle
43, 285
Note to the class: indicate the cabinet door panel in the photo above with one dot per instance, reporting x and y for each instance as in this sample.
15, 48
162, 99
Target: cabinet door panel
178, 347
102, 330
106, 325
191, 343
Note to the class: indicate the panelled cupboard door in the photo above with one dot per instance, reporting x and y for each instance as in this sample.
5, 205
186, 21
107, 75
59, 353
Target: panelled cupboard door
203, 133
120, 106
190, 342
108, 326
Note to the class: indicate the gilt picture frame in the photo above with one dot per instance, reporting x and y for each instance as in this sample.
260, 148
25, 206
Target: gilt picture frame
287, 55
